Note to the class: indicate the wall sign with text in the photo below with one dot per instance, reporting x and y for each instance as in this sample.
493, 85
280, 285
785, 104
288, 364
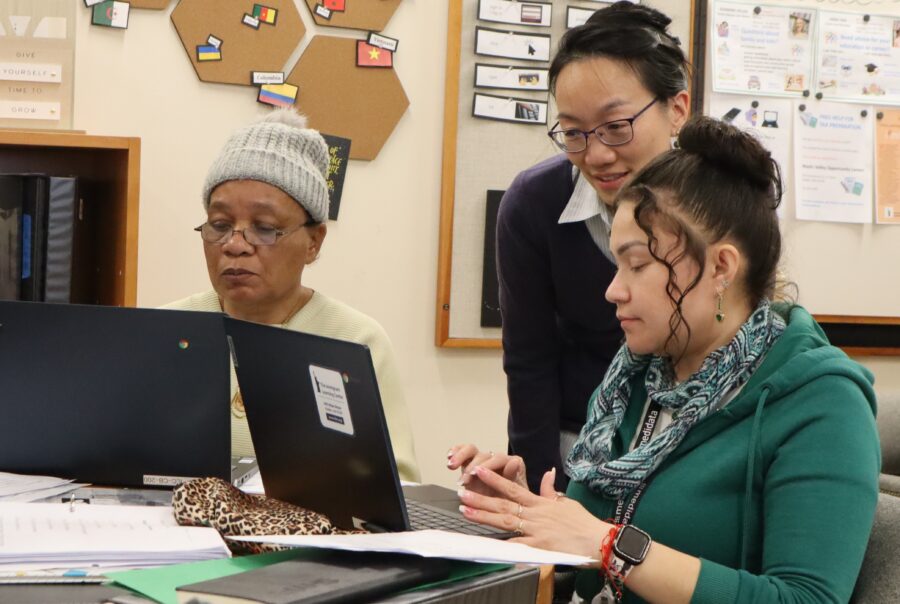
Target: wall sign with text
37, 56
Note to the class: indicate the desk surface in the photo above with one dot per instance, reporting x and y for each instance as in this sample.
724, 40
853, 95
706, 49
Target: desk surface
512, 586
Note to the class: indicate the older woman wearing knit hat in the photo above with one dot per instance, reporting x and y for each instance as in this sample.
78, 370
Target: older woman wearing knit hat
267, 201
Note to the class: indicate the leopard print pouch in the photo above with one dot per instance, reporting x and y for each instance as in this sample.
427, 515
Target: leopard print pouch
215, 503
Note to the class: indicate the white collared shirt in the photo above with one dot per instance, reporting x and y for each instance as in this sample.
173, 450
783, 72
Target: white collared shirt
585, 206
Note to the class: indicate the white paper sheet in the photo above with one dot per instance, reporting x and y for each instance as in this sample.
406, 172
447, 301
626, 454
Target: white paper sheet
833, 167
761, 48
430, 544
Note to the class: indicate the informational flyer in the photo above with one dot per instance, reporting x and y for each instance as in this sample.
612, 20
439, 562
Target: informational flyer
833, 168
769, 119
37, 59
762, 49
887, 167
858, 58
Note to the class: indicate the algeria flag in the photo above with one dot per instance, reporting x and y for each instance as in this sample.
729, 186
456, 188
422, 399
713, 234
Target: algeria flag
111, 14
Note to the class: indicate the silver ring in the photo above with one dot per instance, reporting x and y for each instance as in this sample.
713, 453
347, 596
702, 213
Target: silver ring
558, 495
519, 512
520, 527
490, 453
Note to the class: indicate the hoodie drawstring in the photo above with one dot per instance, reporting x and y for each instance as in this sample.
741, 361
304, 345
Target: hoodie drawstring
752, 450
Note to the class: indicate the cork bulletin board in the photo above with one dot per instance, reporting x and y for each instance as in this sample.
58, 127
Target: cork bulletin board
368, 15
482, 155
244, 49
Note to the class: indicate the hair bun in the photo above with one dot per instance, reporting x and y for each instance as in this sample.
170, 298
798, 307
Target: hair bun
730, 150
628, 13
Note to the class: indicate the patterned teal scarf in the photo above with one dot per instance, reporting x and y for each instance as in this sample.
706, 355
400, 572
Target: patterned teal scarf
723, 370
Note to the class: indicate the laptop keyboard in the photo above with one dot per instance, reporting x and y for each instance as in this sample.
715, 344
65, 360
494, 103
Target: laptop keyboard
423, 516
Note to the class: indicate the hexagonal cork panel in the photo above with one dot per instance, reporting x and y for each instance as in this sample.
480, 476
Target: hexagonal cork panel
244, 49
151, 4
363, 104
371, 15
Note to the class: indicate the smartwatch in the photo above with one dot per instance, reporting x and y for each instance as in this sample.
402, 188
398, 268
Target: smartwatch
631, 545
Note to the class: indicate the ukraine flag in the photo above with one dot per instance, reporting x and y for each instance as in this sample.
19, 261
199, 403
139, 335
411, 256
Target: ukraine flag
208, 53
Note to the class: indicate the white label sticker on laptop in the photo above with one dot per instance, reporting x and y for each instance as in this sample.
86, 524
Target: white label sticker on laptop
331, 398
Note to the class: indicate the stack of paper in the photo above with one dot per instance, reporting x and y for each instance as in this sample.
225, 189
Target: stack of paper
431, 544
21, 487
54, 535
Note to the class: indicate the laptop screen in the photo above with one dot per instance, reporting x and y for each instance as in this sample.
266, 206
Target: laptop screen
113, 396
317, 424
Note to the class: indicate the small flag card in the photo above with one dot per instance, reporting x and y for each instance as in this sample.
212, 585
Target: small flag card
278, 95
265, 14
111, 14
251, 21
322, 11
337, 6
372, 56
207, 52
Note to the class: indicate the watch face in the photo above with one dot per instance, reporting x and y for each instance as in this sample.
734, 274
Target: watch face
632, 544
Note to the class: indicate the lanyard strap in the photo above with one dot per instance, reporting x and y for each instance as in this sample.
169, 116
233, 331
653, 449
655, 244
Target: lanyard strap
625, 512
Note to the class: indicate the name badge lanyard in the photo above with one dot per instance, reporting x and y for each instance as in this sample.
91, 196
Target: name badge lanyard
625, 510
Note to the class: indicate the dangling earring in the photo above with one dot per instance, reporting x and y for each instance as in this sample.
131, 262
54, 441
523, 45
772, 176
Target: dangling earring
673, 141
720, 300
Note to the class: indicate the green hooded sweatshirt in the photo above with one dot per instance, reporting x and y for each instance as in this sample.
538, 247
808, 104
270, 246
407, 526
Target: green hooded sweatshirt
776, 492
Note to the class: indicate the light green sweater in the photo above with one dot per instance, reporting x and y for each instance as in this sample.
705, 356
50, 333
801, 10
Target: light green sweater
324, 316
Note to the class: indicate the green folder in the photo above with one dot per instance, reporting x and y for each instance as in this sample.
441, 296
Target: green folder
160, 583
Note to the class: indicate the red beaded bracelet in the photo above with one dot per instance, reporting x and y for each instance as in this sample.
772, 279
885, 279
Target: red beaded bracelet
607, 574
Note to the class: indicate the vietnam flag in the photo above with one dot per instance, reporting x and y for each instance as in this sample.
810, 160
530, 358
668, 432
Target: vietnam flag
265, 14
335, 5
372, 56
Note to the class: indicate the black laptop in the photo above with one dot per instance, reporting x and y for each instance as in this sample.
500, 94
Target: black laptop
321, 440
113, 396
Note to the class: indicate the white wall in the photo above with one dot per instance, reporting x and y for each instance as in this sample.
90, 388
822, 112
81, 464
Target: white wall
380, 256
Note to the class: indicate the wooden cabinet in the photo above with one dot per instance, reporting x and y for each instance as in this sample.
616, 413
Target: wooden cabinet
108, 172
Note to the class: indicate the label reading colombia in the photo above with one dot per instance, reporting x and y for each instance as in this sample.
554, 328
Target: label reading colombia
331, 399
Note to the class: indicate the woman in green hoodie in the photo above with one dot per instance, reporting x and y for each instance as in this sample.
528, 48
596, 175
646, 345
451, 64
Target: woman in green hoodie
731, 451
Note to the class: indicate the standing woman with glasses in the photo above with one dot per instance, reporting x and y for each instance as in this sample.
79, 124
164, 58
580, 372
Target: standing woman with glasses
620, 85
266, 201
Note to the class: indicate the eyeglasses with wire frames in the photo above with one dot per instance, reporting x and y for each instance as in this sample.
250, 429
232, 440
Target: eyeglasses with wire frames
256, 234
612, 134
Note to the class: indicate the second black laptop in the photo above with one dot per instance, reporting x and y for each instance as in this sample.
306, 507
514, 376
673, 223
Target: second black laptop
321, 440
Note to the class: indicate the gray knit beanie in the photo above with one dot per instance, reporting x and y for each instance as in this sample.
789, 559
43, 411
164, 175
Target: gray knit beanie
281, 151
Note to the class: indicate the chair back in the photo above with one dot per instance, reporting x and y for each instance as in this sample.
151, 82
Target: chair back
879, 579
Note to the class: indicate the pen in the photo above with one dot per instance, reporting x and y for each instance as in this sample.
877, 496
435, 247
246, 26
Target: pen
72, 503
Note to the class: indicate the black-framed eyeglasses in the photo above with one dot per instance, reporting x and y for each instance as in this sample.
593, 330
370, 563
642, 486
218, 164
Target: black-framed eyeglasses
611, 134
256, 234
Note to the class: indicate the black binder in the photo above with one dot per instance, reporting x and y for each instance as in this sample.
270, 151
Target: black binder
326, 577
11, 186
34, 237
62, 204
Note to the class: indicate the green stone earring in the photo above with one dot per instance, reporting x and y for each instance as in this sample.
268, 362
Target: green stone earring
720, 301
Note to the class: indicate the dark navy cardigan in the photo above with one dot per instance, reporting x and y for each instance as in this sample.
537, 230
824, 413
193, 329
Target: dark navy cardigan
559, 332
